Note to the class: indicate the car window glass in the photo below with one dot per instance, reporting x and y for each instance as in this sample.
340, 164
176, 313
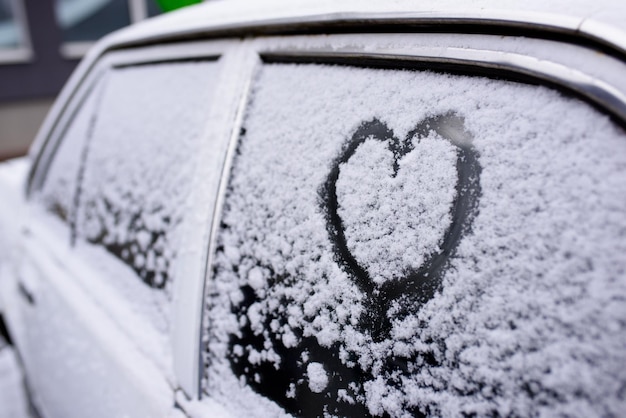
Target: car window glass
136, 188
60, 183
403, 243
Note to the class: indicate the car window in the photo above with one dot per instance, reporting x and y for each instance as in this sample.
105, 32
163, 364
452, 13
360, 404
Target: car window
404, 242
57, 192
135, 191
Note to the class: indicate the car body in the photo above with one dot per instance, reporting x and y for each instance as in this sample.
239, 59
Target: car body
329, 209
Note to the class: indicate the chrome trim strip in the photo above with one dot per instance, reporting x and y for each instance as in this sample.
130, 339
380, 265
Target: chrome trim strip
611, 36
596, 91
486, 21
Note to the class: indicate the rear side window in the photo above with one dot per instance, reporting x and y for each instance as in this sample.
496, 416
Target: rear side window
140, 163
399, 243
57, 192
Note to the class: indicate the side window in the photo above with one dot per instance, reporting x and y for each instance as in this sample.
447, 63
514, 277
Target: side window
140, 163
57, 192
399, 243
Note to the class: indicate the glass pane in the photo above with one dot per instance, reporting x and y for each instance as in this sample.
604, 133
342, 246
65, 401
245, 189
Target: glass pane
89, 20
61, 181
153, 8
398, 243
10, 36
141, 162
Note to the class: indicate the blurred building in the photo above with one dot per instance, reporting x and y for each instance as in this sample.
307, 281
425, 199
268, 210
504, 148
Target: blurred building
41, 43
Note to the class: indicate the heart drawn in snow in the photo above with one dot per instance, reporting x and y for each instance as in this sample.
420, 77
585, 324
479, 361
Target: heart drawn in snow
396, 211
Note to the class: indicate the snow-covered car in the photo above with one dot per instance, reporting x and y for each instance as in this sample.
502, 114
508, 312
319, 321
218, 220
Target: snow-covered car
329, 209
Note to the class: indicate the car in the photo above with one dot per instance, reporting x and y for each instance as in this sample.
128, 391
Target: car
328, 209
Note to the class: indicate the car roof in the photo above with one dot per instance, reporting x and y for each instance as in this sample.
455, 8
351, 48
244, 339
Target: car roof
598, 21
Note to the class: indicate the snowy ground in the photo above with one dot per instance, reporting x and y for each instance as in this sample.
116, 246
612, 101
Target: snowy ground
12, 397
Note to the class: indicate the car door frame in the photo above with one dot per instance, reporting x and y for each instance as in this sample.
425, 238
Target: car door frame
87, 298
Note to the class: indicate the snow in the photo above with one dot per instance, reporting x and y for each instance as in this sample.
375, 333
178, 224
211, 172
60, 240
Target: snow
317, 377
421, 205
135, 188
551, 209
13, 401
58, 190
594, 19
71, 339
528, 319
12, 176
134, 202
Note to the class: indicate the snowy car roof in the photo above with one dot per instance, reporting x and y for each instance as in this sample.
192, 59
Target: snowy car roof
600, 21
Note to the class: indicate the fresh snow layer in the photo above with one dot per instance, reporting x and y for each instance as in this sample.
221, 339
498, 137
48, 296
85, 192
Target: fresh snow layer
13, 402
529, 318
121, 182
317, 377
140, 160
61, 180
405, 208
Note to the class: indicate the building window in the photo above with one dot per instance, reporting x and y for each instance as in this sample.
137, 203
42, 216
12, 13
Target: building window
14, 43
83, 22
89, 20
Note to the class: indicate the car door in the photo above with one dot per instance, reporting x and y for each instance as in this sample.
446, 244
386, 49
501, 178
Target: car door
112, 210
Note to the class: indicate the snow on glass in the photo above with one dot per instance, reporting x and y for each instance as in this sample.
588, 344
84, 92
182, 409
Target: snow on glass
140, 161
406, 208
528, 317
60, 184
135, 187
121, 181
